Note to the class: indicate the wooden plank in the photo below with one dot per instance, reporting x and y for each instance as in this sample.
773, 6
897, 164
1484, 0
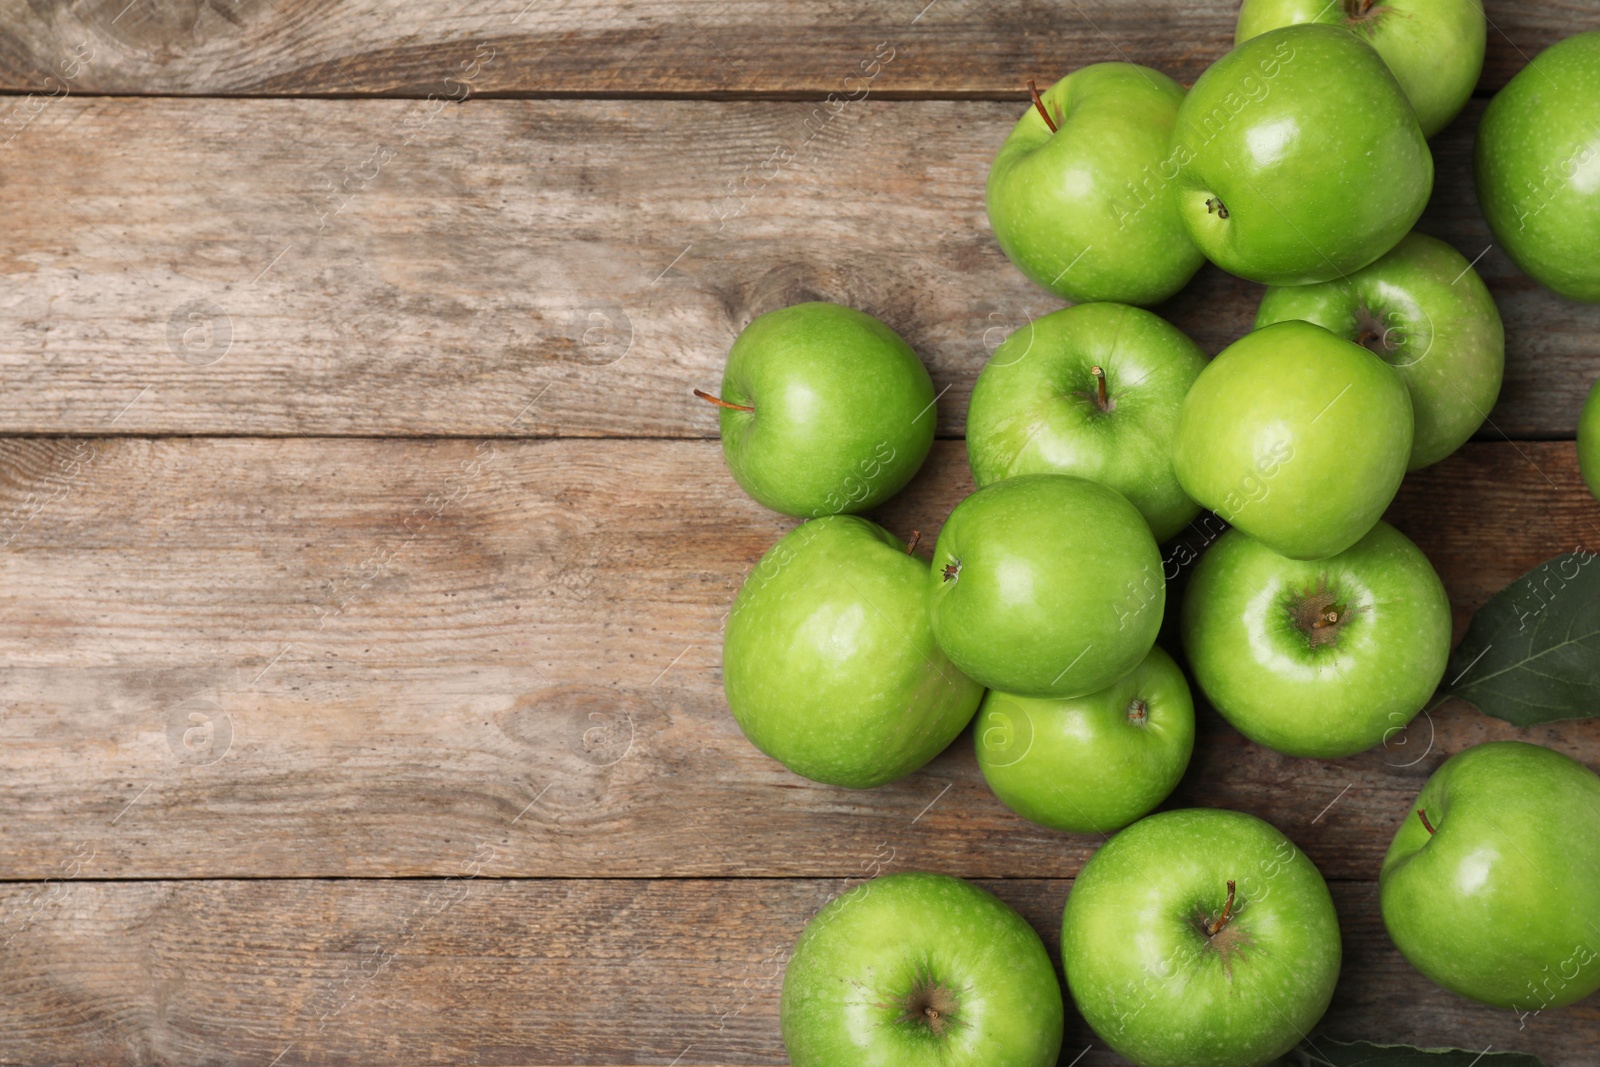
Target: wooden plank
482, 970
238, 657
543, 268
1526, 499
410, 48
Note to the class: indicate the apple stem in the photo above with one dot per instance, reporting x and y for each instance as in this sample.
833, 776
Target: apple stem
1038, 102
1215, 928
721, 403
1100, 382
911, 546
1423, 815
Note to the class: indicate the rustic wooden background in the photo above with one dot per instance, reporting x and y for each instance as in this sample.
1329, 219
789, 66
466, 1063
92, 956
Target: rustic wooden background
365, 553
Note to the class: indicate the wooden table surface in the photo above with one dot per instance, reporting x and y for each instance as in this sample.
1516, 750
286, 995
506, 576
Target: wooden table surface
365, 554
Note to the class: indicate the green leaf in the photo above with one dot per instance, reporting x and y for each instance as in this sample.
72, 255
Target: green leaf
1532, 653
1321, 1052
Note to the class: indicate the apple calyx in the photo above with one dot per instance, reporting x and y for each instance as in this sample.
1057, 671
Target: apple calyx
952, 570
1214, 205
1319, 614
1372, 334
1358, 10
1038, 102
1138, 712
1426, 825
930, 1005
721, 403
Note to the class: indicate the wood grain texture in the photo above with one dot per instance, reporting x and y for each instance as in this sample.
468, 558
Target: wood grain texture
544, 268
409, 48
489, 971
494, 664
243, 657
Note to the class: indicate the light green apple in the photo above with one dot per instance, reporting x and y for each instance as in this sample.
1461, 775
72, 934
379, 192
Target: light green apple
1297, 437
1537, 163
1087, 210
1423, 310
1092, 390
1095, 763
1300, 158
1589, 441
829, 663
824, 409
913, 969
1046, 585
1433, 47
1200, 938
1492, 885
1323, 659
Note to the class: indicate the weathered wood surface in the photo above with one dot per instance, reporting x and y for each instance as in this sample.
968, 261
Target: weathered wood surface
301, 658
244, 657
544, 267
410, 48
480, 970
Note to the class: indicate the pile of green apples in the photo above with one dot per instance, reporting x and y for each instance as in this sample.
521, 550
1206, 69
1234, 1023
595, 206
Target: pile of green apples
1200, 937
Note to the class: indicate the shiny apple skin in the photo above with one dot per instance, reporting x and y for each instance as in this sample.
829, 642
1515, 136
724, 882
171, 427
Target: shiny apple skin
1095, 763
1537, 164
1433, 47
1035, 407
843, 415
846, 985
829, 664
1046, 585
1501, 903
1088, 212
1297, 437
1423, 310
1321, 694
1148, 980
1300, 158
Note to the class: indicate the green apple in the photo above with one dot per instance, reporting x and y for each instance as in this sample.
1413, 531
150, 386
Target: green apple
824, 410
829, 663
1492, 885
1297, 437
1092, 390
1423, 310
1095, 763
1200, 938
1323, 659
1537, 163
1086, 210
1046, 585
1300, 158
1433, 47
913, 969
1589, 441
